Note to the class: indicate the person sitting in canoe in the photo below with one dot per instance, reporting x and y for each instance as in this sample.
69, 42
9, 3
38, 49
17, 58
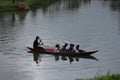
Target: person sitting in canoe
71, 49
57, 48
64, 48
78, 50
36, 44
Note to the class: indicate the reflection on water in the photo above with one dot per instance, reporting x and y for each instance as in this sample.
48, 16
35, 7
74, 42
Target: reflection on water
114, 4
37, 58
94, 24
8, 19
12, 18
9, 30
58, 5
76, 4
54, 6
73, 58
22, 14
63, 5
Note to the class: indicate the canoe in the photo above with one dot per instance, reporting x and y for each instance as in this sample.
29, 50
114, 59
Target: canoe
51, 51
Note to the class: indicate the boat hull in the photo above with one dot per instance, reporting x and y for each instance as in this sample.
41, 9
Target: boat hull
51, 51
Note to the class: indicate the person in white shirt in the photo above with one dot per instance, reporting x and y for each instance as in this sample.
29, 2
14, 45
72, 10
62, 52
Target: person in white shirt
57, 48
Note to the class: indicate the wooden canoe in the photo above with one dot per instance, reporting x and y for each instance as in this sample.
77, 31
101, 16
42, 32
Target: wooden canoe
51, 51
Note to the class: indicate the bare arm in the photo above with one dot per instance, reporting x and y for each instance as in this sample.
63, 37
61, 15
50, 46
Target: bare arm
40, 42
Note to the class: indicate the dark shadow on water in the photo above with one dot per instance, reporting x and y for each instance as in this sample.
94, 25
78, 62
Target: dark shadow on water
22, 14
52, 6
37, 57
115, 7
12, 18
74, 58
114, 4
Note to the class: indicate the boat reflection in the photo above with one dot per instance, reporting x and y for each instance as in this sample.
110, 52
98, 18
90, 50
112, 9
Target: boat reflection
73, 58
37, 57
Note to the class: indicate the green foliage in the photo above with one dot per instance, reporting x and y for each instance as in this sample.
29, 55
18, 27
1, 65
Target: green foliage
7, 5
105, 77
30, 2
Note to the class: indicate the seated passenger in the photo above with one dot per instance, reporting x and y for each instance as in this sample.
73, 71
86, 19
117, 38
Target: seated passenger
71, 49
64, 48
57, 48
77, 50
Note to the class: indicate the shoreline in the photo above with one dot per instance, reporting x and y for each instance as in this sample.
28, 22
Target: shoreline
108, 76
9, 6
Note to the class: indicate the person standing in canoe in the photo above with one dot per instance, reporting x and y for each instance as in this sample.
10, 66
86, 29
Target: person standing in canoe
36, 44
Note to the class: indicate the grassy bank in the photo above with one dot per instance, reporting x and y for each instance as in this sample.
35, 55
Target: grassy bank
105, 77
30, 2
7, 5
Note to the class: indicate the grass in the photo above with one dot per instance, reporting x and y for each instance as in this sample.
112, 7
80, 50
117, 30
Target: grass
105, 77
30, 2
7, 5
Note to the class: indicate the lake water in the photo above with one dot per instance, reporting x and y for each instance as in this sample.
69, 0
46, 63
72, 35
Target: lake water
94, 24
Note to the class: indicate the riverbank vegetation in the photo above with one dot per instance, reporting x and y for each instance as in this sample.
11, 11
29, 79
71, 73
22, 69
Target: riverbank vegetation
8, 5
46, 2
105, 77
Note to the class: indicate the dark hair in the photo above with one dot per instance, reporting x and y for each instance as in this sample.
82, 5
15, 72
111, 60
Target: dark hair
66, 44
57, 45
37, 37
72, 45
77, 45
